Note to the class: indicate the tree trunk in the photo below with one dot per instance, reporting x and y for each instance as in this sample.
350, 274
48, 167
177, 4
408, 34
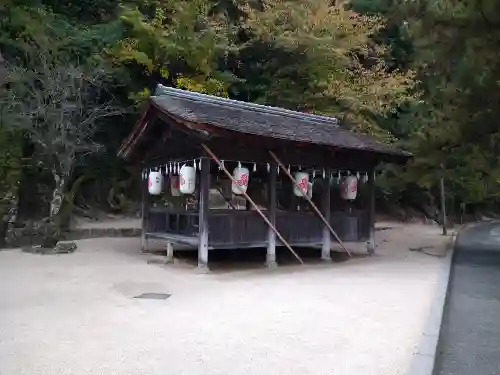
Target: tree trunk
53, 233
57, 196
3, 70
9, 216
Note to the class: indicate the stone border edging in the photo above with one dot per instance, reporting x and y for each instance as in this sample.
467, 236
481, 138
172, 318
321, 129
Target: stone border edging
87, 233
424, 357
27, 237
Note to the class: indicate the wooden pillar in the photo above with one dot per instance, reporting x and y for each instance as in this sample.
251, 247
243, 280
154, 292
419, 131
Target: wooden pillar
326, 246
371, 212
271, 235
203, 206
144, 211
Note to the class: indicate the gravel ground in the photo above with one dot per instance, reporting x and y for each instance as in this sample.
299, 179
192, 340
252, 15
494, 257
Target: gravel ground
75, 313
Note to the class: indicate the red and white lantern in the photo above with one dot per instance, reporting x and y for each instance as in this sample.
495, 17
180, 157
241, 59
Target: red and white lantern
174, 186
349, 188
301, 184
187, 179
155, 182
241, 176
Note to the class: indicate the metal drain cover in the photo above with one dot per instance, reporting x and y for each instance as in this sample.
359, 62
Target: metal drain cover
153, 296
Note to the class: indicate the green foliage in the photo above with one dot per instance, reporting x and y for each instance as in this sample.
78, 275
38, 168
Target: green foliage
322, 58
457, 48
84, 11
421, 73
171, 41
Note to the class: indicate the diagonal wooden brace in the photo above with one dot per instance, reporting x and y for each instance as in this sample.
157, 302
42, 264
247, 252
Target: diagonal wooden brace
247, 197
273, 155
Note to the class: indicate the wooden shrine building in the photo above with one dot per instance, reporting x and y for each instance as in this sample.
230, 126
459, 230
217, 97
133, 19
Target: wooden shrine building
215, 136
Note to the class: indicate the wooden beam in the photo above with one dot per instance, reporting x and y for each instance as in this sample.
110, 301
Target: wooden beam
200, 134
371, 212
310, 202
271, 236
255, 148
230, 176
203, 207
327, 245
141, 123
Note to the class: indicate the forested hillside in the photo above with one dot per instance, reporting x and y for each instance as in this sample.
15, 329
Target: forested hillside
423, 74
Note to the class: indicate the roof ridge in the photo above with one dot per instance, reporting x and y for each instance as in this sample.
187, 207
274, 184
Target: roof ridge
162, 90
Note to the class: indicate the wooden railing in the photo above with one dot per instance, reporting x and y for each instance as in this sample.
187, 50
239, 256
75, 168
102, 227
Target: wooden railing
246, 228
172, 221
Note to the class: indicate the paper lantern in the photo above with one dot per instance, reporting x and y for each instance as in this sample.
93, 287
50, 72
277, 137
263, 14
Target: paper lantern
349, 188
174, 186
240, 183
187, 179
301, 184
155, 182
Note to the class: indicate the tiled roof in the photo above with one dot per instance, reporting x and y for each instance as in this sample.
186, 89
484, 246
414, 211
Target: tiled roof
255, 119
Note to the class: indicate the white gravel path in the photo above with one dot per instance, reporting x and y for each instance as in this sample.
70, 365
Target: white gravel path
74, 314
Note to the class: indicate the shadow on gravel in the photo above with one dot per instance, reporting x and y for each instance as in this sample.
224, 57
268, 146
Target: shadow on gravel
225, 260
234, 260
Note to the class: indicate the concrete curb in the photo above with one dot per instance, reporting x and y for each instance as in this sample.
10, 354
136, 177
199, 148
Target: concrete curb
424, 357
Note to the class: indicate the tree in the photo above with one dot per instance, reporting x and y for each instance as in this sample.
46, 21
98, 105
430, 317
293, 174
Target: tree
10, 158
174, 42
85, 11
59, 105
423, 73
457, 54
322, 57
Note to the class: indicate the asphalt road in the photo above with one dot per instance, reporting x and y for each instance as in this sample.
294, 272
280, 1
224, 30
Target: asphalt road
470, 336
